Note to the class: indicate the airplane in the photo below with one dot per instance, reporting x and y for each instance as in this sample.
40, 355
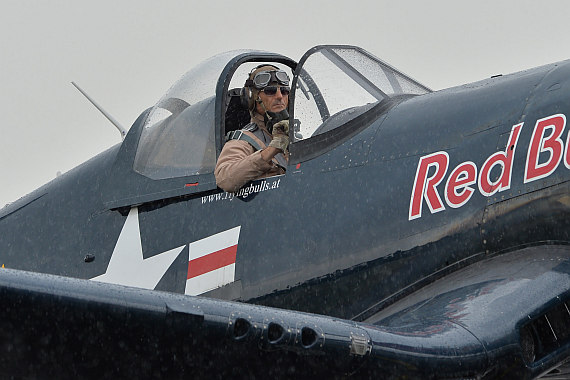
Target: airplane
415, 234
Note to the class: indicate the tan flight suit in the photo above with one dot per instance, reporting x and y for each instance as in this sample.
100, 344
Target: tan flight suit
239, 163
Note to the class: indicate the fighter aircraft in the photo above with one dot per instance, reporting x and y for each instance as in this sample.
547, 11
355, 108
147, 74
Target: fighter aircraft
415, 234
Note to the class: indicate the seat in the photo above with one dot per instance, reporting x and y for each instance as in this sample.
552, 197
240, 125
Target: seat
237, 116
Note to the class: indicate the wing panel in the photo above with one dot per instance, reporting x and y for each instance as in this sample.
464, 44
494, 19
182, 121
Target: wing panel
515, 304
55, 326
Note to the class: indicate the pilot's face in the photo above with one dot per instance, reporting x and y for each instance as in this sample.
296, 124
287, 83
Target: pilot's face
273, 103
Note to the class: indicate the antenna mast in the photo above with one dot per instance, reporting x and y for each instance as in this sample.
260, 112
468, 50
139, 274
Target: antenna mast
121, 129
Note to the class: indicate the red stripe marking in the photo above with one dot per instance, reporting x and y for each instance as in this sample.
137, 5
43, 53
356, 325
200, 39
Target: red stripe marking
191, 184
212, 261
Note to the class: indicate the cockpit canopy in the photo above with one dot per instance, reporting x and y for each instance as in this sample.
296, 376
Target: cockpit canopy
178, 136
332, 85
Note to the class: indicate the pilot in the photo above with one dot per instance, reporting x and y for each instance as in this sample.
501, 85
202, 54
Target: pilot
260, 148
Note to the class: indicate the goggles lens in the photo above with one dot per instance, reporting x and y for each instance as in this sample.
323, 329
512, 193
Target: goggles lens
272, 90
262, 79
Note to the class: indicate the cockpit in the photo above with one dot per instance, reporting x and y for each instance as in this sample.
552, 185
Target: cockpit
180, 138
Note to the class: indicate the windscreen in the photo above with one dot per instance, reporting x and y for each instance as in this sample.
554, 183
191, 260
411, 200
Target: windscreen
336, 84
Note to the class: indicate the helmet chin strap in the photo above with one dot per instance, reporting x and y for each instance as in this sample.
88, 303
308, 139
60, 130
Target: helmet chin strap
266, 116
259, 101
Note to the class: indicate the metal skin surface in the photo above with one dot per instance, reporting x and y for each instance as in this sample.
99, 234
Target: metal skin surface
374, 288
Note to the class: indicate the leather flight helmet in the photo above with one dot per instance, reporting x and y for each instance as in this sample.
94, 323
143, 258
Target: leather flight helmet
249, 92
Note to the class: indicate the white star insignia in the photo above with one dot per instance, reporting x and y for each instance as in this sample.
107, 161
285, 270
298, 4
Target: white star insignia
127, 265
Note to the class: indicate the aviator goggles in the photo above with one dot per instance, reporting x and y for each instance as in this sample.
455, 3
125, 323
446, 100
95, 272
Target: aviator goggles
263, 78
272, 90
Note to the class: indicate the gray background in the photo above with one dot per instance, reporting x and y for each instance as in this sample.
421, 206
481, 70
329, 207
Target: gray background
126, 54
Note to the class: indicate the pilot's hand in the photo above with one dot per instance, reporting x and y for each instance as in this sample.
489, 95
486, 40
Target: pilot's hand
282, 127
280, 135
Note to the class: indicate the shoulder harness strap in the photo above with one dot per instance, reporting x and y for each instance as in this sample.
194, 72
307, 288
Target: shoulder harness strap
253, 128
239, 135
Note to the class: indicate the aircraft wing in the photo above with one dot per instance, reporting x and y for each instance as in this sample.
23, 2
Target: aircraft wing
474, 323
